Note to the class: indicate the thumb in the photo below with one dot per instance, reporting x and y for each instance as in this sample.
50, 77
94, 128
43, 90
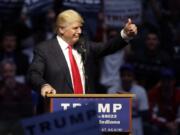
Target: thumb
129, 21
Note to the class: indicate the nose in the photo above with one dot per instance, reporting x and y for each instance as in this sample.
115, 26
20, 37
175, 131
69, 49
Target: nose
79, 30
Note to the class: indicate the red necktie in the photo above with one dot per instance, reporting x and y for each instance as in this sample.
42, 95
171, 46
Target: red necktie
78, 89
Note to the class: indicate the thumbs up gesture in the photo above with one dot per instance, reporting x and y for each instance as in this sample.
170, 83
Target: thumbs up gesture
130, 29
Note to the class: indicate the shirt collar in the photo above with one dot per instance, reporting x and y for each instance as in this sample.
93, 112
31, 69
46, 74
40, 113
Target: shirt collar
62, 43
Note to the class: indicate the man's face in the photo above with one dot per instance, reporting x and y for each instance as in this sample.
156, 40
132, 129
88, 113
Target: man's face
152, 41
9, 43
71, 33
8, 71
127, 79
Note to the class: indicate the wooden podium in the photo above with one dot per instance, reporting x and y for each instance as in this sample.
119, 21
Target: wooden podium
114, 110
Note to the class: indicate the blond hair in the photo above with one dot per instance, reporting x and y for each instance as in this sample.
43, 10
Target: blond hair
68, 17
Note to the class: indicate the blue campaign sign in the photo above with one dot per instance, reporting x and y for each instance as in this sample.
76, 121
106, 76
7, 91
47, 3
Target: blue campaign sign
10, 8
114, 114
80, 121
37, 6
83, 5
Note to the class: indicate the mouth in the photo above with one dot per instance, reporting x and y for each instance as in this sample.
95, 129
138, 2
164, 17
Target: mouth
77, 35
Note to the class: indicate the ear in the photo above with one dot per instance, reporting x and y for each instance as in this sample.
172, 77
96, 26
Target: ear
61, 30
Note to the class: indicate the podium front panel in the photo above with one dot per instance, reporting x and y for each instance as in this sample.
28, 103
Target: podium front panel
114, 113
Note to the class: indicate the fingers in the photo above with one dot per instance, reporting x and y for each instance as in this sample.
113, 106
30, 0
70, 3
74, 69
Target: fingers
130, 28
133, 28
53, 91
47, 90
43, 93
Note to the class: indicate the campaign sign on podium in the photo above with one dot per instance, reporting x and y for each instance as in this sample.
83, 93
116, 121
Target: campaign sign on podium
114, 111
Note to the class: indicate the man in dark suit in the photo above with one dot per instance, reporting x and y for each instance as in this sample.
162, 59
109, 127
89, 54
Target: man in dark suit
51, 70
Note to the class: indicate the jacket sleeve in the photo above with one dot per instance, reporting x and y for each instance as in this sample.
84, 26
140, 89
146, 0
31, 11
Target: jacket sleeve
111, 46
36, 70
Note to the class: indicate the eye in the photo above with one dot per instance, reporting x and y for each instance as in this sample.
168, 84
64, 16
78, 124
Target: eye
75, 28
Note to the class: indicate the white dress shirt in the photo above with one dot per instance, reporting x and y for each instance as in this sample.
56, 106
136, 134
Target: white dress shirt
77, 57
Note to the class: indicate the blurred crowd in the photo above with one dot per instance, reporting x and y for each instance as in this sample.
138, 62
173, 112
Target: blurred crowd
148, 67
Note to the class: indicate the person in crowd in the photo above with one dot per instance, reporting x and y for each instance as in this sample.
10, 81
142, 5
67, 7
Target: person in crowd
140, 104
15, 99
10, 51
164, 100
148, 60
109, 77
65, 64
176, 57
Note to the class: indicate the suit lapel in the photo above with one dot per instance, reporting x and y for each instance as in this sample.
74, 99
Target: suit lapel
60, 58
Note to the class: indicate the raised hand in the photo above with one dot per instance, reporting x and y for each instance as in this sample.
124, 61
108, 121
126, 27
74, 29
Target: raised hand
130, 29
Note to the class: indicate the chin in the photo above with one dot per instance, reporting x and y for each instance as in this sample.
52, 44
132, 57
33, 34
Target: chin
75, 40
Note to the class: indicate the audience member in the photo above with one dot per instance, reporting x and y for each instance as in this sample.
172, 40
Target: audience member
15, 98
140, 102
164, 100
10, 51
109, 76
149, 60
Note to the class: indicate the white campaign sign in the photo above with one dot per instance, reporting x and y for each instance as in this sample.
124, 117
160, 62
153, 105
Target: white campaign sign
117, 12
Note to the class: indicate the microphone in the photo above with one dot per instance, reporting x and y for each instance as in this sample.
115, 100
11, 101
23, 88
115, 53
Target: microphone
80, 45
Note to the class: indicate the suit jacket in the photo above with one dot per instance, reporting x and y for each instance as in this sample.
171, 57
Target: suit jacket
49, 64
